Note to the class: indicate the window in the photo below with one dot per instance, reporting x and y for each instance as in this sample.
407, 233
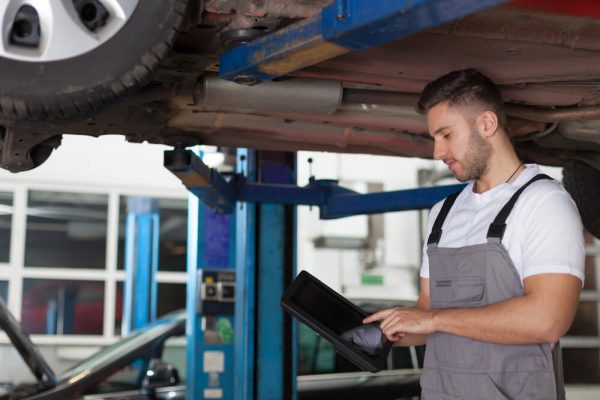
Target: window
119, 307
4, 291
68, 242
62, 307
171, 297
173, 234
5, 225
66, 230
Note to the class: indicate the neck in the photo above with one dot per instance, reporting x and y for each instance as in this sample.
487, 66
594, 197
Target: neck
501, 170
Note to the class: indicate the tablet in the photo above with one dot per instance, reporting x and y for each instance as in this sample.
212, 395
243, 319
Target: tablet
331, 315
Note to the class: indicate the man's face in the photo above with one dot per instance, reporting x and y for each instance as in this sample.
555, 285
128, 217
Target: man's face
457, 142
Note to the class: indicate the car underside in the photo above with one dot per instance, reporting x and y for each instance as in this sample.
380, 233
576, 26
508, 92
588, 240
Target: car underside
156, 79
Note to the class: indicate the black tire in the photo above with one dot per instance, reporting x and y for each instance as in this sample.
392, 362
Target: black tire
76, 86
582, 181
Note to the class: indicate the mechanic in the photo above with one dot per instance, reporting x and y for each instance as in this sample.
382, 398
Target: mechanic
503, 265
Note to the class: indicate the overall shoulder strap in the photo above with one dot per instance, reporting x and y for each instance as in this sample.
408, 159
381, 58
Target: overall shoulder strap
436, 231
498, 226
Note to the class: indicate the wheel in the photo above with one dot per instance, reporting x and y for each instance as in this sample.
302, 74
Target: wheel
63, 58
582, 181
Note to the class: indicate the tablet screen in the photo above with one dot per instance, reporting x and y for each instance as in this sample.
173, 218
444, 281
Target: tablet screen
335, 315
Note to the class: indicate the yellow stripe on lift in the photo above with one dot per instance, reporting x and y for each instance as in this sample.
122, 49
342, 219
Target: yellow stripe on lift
315, 50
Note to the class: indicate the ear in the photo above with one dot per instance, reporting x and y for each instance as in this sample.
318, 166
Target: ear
487, 122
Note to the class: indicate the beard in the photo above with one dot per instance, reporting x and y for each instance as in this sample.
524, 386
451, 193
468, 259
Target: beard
476, 159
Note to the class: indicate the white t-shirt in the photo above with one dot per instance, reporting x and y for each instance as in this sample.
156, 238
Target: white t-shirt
543, 233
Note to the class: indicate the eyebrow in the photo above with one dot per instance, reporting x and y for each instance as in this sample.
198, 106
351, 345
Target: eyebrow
440, 129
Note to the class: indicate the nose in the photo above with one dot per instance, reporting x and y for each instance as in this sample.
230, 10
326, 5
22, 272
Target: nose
439, 150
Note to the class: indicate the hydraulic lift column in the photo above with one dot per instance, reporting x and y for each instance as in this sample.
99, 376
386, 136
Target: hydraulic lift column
265, 351
141, 263
210, 302
252, 354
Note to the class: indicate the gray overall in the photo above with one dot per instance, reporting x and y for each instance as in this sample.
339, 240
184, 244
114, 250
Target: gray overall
476, 276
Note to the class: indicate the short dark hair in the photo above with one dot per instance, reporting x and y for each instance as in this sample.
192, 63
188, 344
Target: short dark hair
463, 88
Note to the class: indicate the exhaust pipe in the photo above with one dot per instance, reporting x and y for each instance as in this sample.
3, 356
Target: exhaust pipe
293, 95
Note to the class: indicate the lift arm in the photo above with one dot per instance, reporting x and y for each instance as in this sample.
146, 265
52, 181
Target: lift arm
343, 26
220, 193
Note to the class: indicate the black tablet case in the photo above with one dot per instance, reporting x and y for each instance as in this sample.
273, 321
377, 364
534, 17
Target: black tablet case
330, 314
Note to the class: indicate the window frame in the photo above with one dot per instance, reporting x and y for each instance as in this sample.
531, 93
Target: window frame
15, 270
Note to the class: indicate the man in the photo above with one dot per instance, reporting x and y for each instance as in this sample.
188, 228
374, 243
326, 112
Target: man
504, 260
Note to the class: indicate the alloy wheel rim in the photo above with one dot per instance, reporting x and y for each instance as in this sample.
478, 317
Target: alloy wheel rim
53, 30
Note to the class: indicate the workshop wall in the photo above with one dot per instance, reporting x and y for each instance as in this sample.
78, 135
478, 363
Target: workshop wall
362, 256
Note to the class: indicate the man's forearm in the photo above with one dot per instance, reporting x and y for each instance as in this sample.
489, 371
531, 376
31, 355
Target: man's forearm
411, 340
542, 315
515, 321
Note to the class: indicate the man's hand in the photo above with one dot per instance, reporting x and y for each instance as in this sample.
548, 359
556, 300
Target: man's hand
399, 321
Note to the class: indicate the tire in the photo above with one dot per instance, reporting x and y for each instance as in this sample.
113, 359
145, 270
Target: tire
76, 86
582, 181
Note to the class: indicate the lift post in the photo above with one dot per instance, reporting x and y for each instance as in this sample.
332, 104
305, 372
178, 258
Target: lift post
276, 351
210, 302
141, 263
259, 362
245, 297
